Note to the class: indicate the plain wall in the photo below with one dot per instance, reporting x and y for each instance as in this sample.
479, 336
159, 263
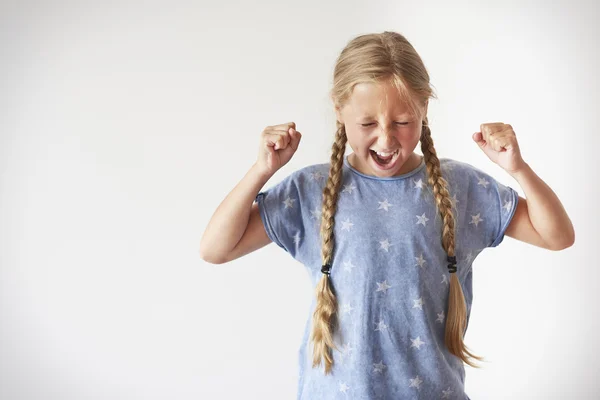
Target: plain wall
123, 126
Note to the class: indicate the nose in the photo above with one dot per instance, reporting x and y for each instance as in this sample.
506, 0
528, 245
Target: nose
386, 139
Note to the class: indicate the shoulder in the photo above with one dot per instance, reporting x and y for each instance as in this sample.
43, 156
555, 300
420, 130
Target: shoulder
456, 170
452, 164
301, 182
310, 174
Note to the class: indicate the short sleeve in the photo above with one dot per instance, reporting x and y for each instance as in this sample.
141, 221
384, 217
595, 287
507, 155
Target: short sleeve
490, 206
283, 212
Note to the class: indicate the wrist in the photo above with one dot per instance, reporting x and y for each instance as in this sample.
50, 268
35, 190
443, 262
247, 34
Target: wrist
261, 173
520, 172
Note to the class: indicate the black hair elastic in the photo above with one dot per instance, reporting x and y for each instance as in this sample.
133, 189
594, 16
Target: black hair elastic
326, 269
452, 265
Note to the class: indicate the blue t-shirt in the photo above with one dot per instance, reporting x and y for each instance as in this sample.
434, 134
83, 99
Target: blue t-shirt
389, 272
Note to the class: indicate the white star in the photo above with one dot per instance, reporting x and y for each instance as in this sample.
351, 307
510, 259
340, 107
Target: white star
316, 213
385, 244
417, 342
347, 349
346, 308
445, 279
469, 257
346, 225
448, 165
418, 303
420, 260
454, 200
416, 382
348, 265
422, 219
379, 367
380, 326
446, 393
316, 176
344, 387
507, 205
382, 287
384, 204
483, 182
440, 317
349, 188
476, 219
297, 237
289, 202
418, 184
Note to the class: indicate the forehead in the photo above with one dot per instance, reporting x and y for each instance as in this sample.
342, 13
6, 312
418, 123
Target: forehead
369, 99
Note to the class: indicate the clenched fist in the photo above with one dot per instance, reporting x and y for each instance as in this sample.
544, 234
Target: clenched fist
278, 144
499, 142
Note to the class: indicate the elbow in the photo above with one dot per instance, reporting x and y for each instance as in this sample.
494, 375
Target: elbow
567, 242
210, 258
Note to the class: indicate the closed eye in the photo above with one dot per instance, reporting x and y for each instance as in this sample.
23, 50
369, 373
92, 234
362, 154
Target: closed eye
399, 123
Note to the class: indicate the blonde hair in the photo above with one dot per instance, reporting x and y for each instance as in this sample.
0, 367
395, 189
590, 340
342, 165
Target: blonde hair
376, 58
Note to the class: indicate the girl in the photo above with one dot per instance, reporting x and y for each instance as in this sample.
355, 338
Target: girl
388, 237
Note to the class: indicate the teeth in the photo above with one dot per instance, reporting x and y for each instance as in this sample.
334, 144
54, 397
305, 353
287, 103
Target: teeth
386, 154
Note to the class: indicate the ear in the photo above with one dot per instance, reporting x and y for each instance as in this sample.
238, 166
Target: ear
338, 114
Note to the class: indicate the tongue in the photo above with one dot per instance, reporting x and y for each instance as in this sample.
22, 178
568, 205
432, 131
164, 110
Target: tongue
384, 160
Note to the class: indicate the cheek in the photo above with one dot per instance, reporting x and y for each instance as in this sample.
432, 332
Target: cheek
357, 139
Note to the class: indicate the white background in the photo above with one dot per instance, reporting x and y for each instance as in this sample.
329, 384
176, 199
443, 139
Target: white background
122, 128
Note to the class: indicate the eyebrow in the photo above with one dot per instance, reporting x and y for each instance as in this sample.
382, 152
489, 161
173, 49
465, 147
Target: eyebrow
399, 116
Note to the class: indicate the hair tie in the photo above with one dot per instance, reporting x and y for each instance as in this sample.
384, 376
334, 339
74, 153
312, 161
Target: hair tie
452, 265
326, 269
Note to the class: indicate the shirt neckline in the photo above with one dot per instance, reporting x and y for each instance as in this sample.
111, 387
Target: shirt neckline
386, 178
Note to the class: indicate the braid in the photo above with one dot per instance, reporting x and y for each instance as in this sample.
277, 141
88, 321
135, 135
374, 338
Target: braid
457, 313
325, 315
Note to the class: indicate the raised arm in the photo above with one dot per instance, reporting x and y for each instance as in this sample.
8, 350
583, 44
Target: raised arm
236, 228
236, 222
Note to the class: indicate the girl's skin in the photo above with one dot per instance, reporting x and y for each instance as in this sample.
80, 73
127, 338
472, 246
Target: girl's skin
236, 228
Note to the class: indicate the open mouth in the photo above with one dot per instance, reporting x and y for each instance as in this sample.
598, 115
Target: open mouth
384, 162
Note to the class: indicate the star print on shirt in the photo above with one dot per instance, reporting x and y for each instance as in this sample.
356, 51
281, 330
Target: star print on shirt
446, 393
385, 244
346, 308
469, 257
346, 225
440, 317
297, 238
420, 261
454, 200
316, 176
379, 367
483, 182
316, 213
380, 325
349, 188
346, 349
476, 219
416, 382
422, 219
348, 266
418, 184
445, 279
507, 205
383, 286
384, 205
344, 387
417, 342
418, 303
289, 202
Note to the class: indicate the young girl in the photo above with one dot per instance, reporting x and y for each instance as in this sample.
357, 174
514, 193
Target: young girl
387, 236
